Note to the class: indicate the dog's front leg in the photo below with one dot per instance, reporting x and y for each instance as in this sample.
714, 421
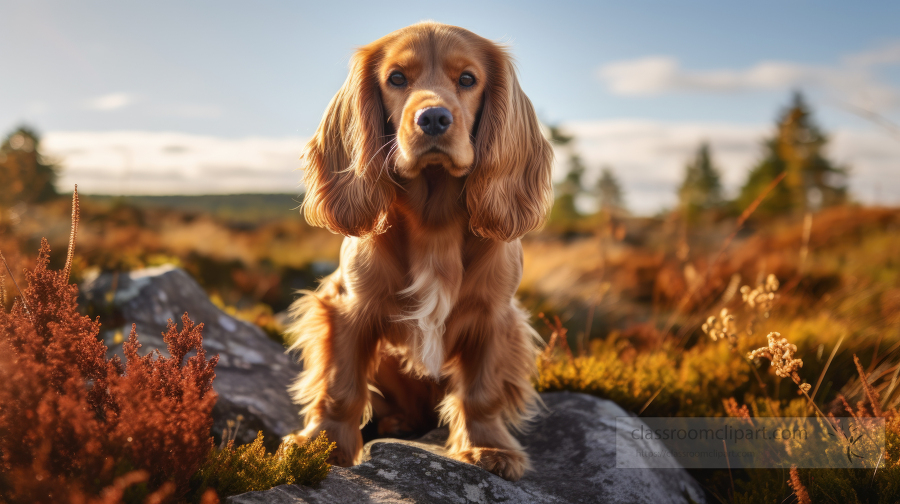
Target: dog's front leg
339, 348
490, 392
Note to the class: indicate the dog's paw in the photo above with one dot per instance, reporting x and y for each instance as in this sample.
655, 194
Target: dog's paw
340, 458
347, 440
296, 438
508, 464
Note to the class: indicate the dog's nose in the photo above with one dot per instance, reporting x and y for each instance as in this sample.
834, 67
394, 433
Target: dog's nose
434, 120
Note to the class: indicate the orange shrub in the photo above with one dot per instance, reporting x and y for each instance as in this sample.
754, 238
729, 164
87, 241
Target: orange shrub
78, 427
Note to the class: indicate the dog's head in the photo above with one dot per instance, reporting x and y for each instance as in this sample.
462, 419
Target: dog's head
429, 95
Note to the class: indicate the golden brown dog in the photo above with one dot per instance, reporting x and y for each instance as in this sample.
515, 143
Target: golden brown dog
431, 161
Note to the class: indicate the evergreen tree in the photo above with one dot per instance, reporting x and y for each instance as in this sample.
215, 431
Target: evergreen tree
25, 175
797, 148
702, 186
559, 137
609, 191
568, 190
564, 211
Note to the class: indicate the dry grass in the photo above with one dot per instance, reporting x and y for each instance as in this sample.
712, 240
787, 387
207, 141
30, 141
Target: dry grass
837, 312
244, 263
631, 306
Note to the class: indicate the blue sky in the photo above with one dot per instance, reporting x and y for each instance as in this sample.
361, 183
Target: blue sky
236, 76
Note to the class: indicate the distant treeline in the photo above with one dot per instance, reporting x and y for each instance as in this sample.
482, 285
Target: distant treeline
29, 177
792, 175
250, 207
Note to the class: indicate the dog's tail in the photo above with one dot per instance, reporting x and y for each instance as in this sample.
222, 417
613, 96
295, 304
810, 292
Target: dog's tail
307, 338
525, 404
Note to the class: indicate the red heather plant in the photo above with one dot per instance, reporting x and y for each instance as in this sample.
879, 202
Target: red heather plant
78, 427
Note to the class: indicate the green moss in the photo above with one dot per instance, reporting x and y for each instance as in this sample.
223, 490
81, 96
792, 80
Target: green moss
681, 382
247, 468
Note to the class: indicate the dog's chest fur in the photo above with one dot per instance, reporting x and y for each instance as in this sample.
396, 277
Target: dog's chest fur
436, 275
436, 227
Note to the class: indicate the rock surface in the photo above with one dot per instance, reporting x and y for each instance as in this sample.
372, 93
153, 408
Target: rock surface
572, 448
572, 445
253, 371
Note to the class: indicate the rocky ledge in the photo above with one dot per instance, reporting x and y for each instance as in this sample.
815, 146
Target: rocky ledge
572, 444
572, 448
253, 371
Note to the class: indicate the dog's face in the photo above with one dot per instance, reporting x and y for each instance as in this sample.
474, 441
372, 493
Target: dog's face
432, 89
429, 95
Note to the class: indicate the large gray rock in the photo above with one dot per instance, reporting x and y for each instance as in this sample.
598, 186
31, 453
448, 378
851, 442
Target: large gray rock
572, 445
572, 448
253, 371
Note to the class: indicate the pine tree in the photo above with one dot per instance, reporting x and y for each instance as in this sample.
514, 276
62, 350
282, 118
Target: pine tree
568, 190
609, 191
702, 186
559, 137
25, 175
797, 148
564, 211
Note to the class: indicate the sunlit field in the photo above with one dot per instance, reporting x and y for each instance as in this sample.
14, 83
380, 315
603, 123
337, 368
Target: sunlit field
782, 301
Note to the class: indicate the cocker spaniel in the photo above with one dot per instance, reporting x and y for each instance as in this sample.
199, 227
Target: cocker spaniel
430, 160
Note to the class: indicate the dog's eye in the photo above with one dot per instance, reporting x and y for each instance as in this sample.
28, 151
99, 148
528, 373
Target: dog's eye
466, 80
397, 79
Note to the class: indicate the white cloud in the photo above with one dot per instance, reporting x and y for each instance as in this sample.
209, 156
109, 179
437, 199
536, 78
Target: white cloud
37, 108
116, 101
853, 80
110, 102
191, 111
648, 157
661, 74
137, 162
888, 54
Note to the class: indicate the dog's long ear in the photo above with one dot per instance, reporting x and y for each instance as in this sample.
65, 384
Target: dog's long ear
348, 189
509, 190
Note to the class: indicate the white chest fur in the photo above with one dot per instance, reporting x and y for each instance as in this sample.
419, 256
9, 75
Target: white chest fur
436, 274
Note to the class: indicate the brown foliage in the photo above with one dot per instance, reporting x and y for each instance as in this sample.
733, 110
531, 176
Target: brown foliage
78, 427
798, 487
871, 394
735, 411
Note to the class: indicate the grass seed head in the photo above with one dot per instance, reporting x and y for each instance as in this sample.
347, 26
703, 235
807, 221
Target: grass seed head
763, 296
781, 353
722, 327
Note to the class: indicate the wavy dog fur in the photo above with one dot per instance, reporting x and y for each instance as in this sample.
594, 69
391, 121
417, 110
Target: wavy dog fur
421, 309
